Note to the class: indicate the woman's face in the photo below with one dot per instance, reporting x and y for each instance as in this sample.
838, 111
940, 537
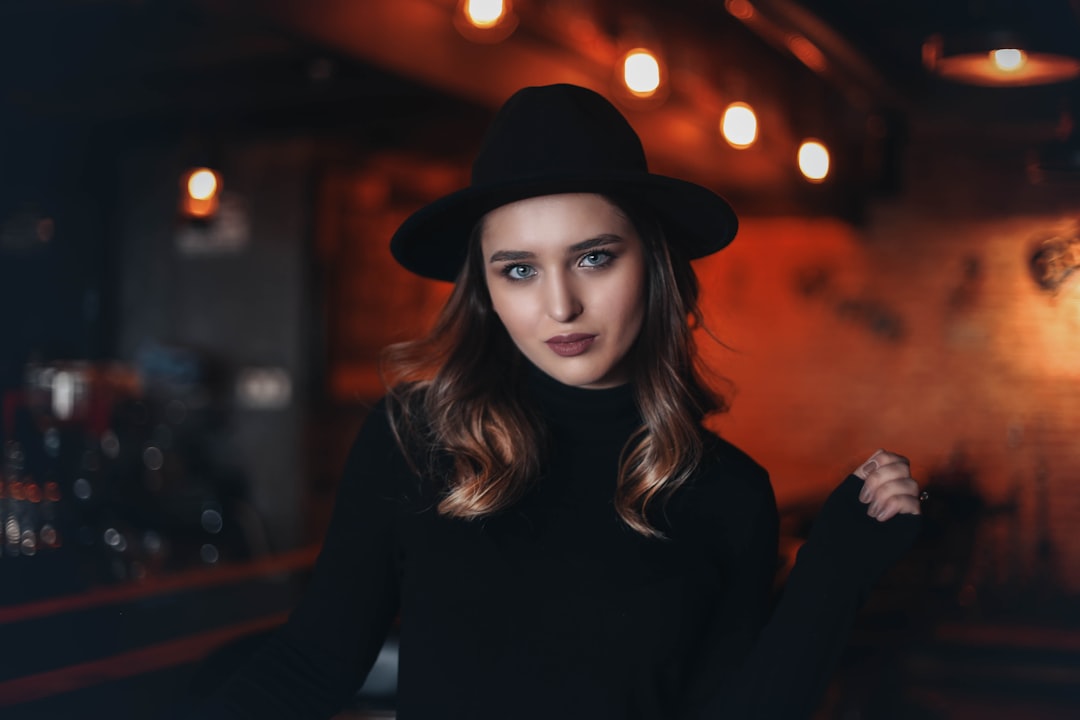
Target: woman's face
566, 275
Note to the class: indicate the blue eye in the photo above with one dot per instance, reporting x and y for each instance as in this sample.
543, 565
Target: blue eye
518, 272
596, 259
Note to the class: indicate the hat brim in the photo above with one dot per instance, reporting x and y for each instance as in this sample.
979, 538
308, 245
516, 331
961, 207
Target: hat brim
432, 242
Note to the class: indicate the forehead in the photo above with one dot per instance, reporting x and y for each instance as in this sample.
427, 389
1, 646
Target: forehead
553, 220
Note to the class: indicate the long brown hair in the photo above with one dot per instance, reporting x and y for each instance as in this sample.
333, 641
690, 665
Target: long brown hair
457, 391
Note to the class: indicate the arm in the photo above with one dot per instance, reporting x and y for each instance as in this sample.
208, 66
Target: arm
749, 567
788, 668
316, 662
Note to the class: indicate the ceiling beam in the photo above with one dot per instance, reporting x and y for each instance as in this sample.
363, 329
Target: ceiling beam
417, 39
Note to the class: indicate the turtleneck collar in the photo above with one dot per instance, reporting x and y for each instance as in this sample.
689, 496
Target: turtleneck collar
575, 407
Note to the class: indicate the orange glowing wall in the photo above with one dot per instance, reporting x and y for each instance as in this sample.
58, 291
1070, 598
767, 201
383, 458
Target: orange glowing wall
927, 337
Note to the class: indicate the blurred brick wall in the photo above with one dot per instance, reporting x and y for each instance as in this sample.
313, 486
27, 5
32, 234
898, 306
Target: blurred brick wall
925, 336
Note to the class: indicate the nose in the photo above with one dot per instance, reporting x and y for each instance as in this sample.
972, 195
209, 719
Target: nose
563, 303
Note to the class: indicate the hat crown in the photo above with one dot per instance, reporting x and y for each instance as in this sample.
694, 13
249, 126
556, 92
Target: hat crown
557, 129
550, 140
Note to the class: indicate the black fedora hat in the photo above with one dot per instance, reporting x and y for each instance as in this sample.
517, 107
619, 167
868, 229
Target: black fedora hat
559, 139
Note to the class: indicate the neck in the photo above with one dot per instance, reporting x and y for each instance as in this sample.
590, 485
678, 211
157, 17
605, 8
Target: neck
575, 408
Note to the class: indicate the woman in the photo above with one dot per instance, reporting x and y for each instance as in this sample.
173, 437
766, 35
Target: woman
537, 497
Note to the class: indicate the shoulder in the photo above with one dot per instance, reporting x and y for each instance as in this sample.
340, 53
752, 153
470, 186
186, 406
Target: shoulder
729, 501
729, 470
386, 445
396, 422
377, 427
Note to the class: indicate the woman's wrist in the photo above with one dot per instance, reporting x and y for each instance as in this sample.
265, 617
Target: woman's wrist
852, 547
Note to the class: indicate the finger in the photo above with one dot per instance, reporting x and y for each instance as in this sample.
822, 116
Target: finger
899, 505
894, 496
888, 467
898, 486
877, 459
868, 466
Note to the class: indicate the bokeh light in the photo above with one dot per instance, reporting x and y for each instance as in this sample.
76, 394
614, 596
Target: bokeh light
199, 197
1008, 59
485, 13
641, 72
202, 184
814, 160
739, 125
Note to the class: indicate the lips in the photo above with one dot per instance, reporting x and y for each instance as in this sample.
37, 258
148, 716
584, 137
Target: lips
570, 345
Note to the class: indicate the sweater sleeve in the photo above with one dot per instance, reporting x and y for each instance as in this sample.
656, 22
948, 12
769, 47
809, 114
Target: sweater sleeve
319, 658
786, 671
749, 566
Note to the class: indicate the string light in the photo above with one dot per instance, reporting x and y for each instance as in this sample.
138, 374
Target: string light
485, 13
641, 72
739, 125
808, 53
202, 184
741, 9
485, 21
201, 188
814, 160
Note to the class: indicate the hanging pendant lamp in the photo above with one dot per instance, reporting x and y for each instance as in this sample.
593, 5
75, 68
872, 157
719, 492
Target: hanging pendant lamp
1009, 44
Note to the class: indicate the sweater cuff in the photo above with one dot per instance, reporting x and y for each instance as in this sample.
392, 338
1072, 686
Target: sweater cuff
850, 546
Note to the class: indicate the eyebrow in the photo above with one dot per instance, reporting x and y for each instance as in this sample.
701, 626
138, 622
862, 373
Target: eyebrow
594, 242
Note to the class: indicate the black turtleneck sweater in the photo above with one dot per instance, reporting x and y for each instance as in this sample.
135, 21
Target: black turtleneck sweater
556, 608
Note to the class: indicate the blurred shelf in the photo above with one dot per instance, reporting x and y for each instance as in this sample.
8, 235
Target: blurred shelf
106, 635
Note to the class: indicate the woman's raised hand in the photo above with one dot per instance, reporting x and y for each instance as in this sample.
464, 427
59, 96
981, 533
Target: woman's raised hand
850, 534
888, 488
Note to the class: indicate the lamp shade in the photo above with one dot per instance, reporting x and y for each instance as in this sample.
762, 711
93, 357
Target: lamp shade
1005, 43
998, 58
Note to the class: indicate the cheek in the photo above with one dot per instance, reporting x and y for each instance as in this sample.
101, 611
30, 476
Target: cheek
623, 310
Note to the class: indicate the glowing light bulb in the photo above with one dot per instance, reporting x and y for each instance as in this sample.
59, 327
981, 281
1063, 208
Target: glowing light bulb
813, 160
739, 125
740, 9
809, 53
199, 194
1008, 59
202, 184
641, 72
485, 13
